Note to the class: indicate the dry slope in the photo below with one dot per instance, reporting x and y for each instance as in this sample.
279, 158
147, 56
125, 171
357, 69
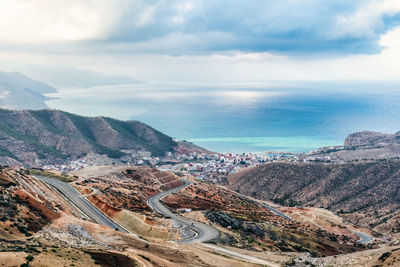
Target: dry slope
367, 193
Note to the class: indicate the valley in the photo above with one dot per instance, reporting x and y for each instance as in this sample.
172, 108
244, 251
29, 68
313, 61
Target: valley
247, 233
139, 196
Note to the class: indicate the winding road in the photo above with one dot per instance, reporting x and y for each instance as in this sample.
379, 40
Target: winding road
79, 201
204, 232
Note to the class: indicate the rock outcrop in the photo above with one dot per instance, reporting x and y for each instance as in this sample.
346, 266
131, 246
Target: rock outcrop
366, 145
364, 138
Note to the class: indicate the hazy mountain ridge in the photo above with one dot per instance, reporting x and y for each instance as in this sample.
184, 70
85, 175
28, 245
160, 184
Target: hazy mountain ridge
18, 91
63, 76
21, 81
51, 136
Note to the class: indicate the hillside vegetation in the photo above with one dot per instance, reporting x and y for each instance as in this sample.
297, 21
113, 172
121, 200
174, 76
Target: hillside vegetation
35, 137
366, 193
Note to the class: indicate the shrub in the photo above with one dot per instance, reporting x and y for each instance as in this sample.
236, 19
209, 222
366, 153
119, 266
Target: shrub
29, 258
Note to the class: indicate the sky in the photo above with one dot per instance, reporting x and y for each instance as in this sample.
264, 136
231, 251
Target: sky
205, 41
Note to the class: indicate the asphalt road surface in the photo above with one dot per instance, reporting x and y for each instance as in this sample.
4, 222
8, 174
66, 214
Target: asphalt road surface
277, 212
204, 232
81, 203
364, 238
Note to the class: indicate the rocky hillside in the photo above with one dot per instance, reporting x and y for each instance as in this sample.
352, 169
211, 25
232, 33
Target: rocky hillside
18, 91
51, 136
367, 138
367, 145
39, 227
248, 225
367, 193
122, 193
125, 188
26, 205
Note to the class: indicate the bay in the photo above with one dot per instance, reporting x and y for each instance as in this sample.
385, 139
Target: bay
240, 118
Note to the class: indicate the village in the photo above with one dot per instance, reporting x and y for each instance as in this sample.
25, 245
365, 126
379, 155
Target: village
212, 167
205, 166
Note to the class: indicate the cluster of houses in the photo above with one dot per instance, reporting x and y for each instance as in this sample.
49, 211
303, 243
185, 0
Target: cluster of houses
74, 165
214, 167
206, 166
201, 165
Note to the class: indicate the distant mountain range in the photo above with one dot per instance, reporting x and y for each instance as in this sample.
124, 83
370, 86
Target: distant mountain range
64, 77
52, 136
18, 91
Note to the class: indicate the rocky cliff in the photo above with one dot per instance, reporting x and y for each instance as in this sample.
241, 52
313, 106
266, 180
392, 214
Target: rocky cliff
366, 138
52, 136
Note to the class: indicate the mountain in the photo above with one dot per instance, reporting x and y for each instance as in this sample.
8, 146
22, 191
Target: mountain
366, 193
18, 91
72, 77
52, 136
366, 145
20, 81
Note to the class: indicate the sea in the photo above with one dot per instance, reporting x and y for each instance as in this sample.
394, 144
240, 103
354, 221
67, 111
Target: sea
242, 118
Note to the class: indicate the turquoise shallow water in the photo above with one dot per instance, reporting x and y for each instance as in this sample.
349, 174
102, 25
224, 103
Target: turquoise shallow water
242, 119
263, 144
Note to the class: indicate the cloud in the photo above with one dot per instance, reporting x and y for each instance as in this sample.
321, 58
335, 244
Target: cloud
260, 67
27, 22
290, 27
200, 26
369, 21
209, 42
